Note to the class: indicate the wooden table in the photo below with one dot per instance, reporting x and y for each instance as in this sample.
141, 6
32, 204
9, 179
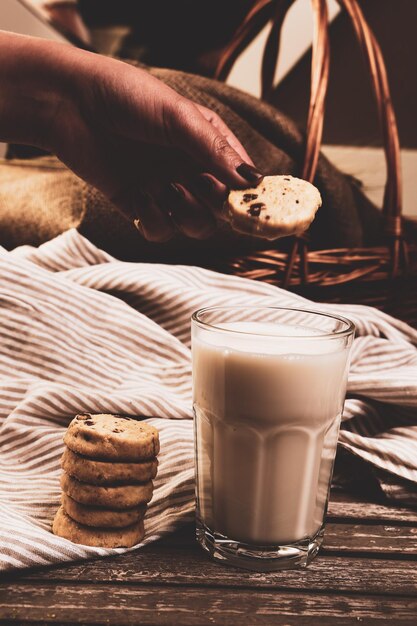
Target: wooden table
366, 574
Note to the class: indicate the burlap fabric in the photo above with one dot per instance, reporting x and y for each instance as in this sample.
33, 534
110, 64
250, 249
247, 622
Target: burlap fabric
40, 198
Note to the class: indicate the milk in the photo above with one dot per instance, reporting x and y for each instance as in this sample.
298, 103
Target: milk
267, 406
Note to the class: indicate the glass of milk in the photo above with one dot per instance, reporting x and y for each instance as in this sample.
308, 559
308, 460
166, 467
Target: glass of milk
268, 391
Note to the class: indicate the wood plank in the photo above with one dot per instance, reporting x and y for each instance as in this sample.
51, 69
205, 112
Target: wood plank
370, 539
171, 566
389, 539
344, 506
382, 539
131, 605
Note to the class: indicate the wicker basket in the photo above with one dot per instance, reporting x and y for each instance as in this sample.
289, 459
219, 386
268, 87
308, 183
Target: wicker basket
383, 276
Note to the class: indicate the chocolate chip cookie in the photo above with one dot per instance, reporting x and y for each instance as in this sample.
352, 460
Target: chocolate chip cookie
107, 472
112, 437
64, 526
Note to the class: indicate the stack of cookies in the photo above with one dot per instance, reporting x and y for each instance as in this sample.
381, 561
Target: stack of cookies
109, 463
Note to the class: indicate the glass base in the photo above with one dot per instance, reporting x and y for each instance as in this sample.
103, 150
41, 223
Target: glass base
258, 558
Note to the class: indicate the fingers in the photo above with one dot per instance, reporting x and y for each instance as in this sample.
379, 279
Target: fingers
218, 123
194, 211
190, 216
154, 224
201, 140
176, 209
212, 193
160, 209
149, 219
159, 214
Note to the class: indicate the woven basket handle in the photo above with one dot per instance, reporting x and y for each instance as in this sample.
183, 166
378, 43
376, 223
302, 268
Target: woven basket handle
392, 204
264, 11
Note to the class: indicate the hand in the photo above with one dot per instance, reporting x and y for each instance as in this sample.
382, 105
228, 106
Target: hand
163, 161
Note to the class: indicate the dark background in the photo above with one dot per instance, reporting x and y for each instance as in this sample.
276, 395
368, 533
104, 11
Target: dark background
189, 34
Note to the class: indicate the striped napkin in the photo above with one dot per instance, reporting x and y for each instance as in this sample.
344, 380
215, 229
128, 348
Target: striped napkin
82, 331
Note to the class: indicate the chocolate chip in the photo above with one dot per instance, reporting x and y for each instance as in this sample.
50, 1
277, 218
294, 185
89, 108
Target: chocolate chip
117, 430
267, 217
89, 422
255, 209
287, 178
297, 202
248, 197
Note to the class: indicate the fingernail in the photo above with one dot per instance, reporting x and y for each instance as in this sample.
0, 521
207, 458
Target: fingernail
173, 198
174, 194
205, 185
249, 173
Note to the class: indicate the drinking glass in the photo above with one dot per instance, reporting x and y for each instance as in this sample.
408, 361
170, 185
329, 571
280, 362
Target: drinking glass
269, 385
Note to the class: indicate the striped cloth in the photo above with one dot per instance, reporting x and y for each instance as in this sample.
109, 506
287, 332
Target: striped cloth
82, 331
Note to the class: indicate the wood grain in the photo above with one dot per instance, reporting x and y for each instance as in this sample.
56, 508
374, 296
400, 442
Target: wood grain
343, 506
192, 567
371, 539
129, 605
365, 574
387, 539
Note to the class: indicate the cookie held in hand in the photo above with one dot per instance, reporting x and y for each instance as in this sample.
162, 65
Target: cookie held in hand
278, 207
112, 437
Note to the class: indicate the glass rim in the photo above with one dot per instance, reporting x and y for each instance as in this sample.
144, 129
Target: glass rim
349, 330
